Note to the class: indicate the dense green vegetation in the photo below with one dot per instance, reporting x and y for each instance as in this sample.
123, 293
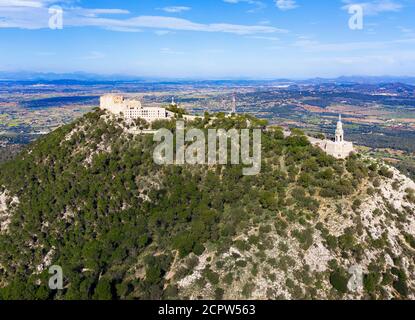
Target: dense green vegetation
91, 194
8, 152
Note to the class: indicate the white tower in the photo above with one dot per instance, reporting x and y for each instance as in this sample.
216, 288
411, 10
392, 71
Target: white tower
340, 148
234, 103
339, 130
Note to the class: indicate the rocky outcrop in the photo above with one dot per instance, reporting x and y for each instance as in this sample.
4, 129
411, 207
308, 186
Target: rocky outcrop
7, 205
369, 243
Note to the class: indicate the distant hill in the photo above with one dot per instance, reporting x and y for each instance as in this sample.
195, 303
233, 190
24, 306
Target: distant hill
92, 77
50, 76
89, 198
377, 80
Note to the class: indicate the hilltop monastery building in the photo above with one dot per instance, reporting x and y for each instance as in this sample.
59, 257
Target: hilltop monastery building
132, 109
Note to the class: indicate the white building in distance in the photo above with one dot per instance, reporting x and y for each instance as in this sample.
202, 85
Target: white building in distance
132, 109
339, 148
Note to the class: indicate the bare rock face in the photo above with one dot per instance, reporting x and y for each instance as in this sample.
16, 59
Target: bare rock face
7, 204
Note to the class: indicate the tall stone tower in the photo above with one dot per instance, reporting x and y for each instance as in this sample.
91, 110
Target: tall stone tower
173, 103
340, 148
339, 130
234, 103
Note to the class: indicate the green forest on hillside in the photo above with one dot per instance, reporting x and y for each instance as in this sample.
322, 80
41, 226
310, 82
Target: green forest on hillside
114, 223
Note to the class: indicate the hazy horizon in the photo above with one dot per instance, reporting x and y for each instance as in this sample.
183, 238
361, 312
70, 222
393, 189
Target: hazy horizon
25, 75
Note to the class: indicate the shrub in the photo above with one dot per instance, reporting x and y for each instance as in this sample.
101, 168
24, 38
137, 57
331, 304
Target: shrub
373, 167
198, 249
371, 281
171, 293
347, 240
241, 263
356, 204
331, 242
410, 239
304, 237
212, 276
385, 172
247, 290
219, 264
283, 247
400, 284
339, 280
103, 290
219, 292
265, 229
410, 195
395, 185
377, 212
228, 279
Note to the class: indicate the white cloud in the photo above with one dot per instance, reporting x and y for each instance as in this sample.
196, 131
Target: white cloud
171, 51
96, 12
123, 29
286, 4
94, 55
38, 17
32, 3
21, 3
258, 4
175, 9
170, 23
162, 32
375, 7
392, 59
45, 53
265, 38
264, 22
407, 32
311, 45
316, 46
240, 1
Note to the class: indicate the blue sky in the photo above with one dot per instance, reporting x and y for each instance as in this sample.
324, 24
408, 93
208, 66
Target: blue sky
209, 38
